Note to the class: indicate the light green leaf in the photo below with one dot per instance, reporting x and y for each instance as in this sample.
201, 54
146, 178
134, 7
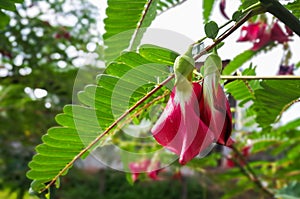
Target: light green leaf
291, 191
239, 90
164, 5
125, 24
294, 7
238, 61
273, 98
126, 80
207, 9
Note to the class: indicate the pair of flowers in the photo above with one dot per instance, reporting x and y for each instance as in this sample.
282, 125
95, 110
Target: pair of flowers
197, 115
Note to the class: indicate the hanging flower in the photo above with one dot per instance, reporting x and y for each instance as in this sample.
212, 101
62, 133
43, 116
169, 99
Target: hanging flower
286, 70
151, 168
252, 32
196, 116
260, 36
187, 126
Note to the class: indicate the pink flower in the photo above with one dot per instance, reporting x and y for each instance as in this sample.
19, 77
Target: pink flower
188, 125
252, 32
152, 169
258, 34
277, 34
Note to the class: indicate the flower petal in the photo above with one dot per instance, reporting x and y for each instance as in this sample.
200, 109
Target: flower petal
180, 129
217, 116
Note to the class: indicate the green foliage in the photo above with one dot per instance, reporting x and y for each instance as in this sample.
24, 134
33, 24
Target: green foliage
291, 191
31, 53
294, 8
276, 96
125, 24
242, 90
125, 81
248, 3
4, 19
211, 29
207, 6
9, 4
164, 5
238, 61
110, 184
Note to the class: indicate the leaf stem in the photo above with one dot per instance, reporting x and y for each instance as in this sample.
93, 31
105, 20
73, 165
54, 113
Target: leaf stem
222, 26
248, 171
286, 107
225, 35
95, 141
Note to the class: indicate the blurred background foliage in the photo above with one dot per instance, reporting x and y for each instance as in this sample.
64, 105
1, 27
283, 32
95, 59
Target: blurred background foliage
42, 45
40, 54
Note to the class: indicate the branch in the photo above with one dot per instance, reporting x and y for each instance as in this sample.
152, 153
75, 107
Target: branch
250, 77
286, 108
248, 171
225, 34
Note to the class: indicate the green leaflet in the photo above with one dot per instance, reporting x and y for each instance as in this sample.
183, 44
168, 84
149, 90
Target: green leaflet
294, 7
164, 5
4, 20
247, 3
125, 23
126, 80
272, 98
238, 61
207, 9
239, 90
290, 191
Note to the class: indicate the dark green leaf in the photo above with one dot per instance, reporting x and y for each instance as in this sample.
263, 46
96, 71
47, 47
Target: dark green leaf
7, 5
248, 3
4, 20
237, 15
211, 29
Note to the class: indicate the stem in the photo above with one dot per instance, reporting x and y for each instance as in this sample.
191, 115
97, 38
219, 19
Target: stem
225, 35
114, 124
250, 77
286, 107
248, 171
202, 39
274, 7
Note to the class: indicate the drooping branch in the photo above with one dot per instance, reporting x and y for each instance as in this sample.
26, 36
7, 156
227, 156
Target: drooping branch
248, 171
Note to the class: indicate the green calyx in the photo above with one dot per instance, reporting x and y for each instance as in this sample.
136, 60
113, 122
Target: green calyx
212, 64
184, 66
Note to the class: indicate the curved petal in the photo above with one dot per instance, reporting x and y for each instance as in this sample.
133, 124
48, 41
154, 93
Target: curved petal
217, 116
180, 129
